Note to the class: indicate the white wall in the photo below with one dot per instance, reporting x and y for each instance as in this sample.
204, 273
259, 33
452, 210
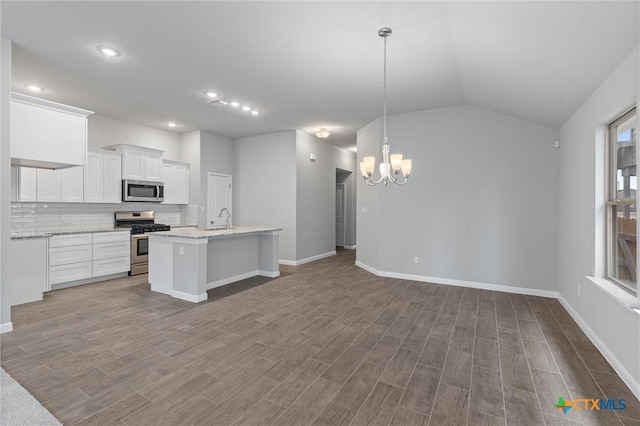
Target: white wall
104, 131
216, 156
367, 212
581, 219
480, 206
190, 153
5, 183
265, 186
315, 197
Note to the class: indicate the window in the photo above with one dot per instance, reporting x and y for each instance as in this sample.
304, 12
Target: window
621, 205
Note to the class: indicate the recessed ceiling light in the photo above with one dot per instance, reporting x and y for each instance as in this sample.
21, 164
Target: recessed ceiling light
255, 112
235, 104
223, 102
108, 51
33, 87
246, 108
171, 124
211, 95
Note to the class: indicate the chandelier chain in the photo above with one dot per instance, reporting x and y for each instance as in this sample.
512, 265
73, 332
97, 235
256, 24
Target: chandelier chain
384, 101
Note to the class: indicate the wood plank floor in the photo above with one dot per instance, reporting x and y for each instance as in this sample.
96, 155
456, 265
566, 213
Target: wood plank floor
325, 344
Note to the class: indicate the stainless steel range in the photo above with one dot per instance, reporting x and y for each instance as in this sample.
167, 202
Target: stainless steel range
140, 224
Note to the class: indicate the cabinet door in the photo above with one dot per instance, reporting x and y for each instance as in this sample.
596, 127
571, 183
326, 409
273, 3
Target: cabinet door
133, 164
169, 183
93, 178
72, 188
26, 184
112, 178
181, 180
48, 186
153, 166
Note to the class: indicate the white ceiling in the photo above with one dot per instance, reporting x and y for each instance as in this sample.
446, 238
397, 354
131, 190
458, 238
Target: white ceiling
316, 64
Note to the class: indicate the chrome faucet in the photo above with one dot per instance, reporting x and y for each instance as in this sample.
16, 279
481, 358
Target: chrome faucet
224, 209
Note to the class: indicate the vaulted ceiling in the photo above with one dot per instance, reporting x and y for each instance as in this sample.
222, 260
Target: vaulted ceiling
307, 65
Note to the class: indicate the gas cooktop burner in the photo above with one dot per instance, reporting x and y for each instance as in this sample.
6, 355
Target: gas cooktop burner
149, 227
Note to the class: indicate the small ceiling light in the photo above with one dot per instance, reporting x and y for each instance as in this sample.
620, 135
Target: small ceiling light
211, 95
171, 124
109, 51
223, 102
246, 108
255, 112
323, 133
235, 104
33, 87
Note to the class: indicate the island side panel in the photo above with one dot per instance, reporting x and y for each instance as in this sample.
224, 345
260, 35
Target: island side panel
161, 265
268, 263
190, 270
232, 259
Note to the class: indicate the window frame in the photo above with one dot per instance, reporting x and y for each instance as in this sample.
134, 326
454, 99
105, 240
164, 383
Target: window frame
612, 202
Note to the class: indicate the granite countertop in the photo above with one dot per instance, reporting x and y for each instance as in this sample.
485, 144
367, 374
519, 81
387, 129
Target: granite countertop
24, 235
214, 233
28, 235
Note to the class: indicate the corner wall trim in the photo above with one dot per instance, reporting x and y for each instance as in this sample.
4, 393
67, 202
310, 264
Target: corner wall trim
6, 327
189, 297
270, 274
460, 283
306, 260
624, 374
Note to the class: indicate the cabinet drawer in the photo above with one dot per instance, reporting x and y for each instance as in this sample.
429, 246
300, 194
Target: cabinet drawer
110, 237
110, 250
65, 273
71, 254
111, 266
69, 240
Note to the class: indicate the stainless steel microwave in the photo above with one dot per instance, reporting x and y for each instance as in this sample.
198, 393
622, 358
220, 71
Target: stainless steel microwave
142, 190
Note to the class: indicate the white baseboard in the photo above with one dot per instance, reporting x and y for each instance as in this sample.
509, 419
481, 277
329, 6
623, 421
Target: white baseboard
460, 283
189, 297
624, 374
6, 327
350, 247
270, 274
307, 260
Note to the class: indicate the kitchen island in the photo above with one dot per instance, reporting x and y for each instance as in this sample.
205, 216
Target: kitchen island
185, 263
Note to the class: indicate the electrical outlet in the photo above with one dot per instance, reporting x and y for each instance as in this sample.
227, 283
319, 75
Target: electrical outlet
578, 291
181, 249
416, 260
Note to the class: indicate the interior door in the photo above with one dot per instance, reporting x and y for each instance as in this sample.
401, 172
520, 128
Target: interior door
218, 198
340, 214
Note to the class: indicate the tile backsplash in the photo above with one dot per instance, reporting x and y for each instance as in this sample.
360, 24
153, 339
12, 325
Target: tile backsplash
58, 217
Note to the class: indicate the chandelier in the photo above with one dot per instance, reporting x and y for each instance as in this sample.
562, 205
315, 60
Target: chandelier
392, 167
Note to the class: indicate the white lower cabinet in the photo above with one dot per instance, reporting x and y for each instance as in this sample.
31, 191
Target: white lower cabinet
82, 256
70, 272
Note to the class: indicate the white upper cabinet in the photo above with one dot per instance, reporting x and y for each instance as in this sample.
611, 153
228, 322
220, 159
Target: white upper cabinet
139, 163
25, 184
72, 184
49, 186
112, 177
94, 177
47, 134
103, 177
153, 166
176, 182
